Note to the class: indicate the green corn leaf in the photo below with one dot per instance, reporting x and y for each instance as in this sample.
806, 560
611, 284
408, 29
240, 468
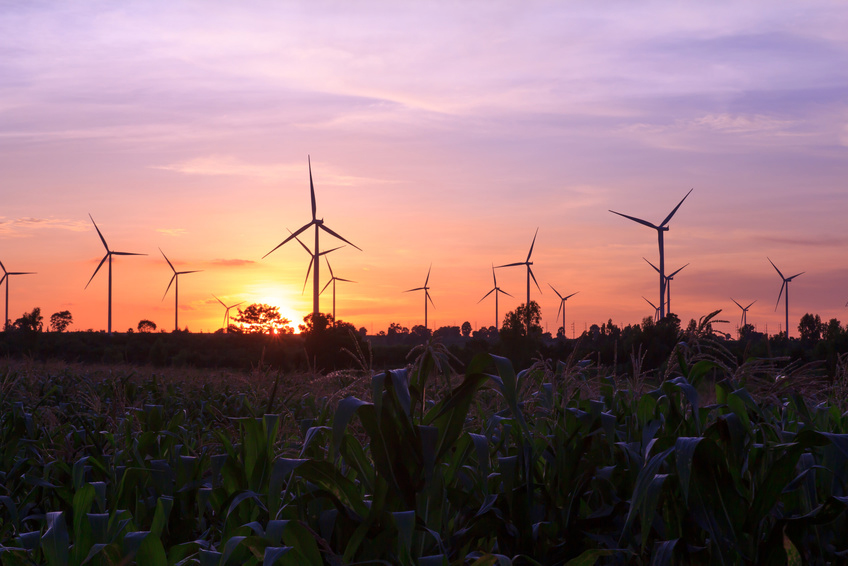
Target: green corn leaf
55, 543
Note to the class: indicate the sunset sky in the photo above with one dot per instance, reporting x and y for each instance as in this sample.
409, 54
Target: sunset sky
440, 133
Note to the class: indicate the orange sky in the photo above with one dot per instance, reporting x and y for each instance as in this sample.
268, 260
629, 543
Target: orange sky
439, 135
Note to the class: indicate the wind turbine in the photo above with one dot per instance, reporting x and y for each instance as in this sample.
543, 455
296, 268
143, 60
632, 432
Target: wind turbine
312, 261
109, 254
656, 310
495, 290
745, 309
227, 313
175, 278
785, 284
318, 223
661, 229
668, 279
426, 290
6, 276
562, 305
528, 263
333, 280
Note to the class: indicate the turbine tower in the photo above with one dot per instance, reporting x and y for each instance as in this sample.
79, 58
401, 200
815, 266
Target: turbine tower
6, 276
333, 280
426, 290
319, 225
528, 263
745, 309
175, 279
495, 290
785, 284
109, 254
656, 309
227, 313
661, 229
668, 279
562, 306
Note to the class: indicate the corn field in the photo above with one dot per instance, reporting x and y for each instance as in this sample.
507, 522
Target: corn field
552, 464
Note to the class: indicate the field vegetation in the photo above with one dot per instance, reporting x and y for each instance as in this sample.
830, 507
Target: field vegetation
706, 460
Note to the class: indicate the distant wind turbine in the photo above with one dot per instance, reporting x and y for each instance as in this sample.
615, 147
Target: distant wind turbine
495, 290
6, 276
318, 223
333, 280
227, 313
528, 263
109, 254
661, 229
312, 261
175, 279
426, 290
668, 279
656, 310
745, 310
785, 284
562, 306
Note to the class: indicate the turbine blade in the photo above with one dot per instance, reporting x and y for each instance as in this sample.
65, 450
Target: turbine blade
657, 269
174, 276
676, 272
559, 310
478, 302
308, 271
22, 273
639, 220
330, 267
505, 293
185, 272
126, 253
345, 280
323, 227
429, 298
3, 267
749, 306
416, 289
494, 277
168, 260
511, 265
777, 304
3, 278
737, 304
649, 302
571, 295
237, 304
312, 189
796, 275
96, 270
532, 244
555, 291
428, 275
102, 239
530, 271
220, 301
670, 214
294, 235
325, 252
325, 287
775, 268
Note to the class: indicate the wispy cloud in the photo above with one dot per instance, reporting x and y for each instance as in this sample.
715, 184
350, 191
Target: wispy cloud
171, 231
231, 262
23, 227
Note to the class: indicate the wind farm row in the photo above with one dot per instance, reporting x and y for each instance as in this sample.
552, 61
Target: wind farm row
661, 308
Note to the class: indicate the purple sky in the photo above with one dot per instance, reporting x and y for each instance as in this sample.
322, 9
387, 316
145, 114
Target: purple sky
438, 133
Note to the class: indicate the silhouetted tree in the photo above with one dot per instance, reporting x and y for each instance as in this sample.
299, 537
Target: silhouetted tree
59, 321
466, 329
420, 333
447, 332
259, 318
30, 321
145, 325
810, 328
515, 322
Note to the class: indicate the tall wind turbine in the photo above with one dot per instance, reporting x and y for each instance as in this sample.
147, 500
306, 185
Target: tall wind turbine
175, 278
656, 309
227, 313
333, 280
668, 279
426, 290
6, 276
745, 309
109, 254
661, 229
495, 290
562, 306
528, 263
785, 284
319, 225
